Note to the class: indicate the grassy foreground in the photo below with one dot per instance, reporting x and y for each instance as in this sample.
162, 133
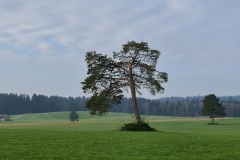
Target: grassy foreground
51, 136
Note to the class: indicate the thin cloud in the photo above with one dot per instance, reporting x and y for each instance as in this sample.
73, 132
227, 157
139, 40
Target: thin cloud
192, 35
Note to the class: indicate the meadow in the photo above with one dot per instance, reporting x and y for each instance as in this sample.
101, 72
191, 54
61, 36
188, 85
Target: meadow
53, 136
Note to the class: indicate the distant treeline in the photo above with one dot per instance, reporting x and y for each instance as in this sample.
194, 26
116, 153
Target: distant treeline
21, 104
171, 106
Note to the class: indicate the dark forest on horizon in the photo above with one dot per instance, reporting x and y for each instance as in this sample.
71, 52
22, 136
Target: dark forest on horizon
13, 104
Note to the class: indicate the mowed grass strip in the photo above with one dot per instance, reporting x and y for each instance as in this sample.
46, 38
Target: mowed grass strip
33, 144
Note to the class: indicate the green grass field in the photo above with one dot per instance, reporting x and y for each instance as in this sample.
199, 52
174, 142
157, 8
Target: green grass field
52, 136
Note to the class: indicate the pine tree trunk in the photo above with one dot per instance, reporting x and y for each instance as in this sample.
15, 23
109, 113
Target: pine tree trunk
135, 106
134, 101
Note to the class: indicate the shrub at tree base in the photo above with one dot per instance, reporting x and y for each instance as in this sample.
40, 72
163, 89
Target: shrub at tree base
137, 127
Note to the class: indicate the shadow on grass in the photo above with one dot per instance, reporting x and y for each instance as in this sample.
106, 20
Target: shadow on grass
232, 124
212, 123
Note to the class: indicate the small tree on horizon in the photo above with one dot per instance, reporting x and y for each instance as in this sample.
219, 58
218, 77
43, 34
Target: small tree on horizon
212, 107
134, 68
73, 107
73, 116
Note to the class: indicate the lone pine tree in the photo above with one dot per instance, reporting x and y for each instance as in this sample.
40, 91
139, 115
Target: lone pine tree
134, 68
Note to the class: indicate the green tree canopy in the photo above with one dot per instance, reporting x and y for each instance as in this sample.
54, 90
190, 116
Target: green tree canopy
73, 107
73, 116
212, 107
134, 68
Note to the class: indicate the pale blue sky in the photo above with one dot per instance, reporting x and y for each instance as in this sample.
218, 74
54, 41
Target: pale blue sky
43, 43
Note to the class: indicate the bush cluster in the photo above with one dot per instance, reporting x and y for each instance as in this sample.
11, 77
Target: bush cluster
137, 127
